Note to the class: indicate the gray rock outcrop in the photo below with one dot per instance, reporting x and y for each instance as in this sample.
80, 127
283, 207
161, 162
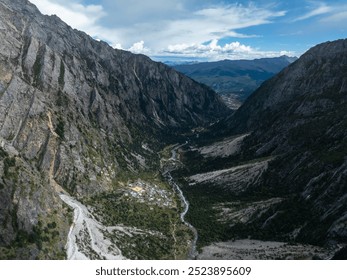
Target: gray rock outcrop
74, 113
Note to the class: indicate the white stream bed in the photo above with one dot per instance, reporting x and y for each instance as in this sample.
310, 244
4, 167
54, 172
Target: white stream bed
86, 239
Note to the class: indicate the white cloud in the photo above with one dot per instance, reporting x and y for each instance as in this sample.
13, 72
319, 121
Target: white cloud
332, 13
214, 51
74, 14
117, 46
166, 26
139, 47
337, 17
215, 23
321, 9
211, 49
81, 17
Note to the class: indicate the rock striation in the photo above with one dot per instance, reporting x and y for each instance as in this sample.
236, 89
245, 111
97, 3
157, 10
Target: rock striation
74, 114
296, 122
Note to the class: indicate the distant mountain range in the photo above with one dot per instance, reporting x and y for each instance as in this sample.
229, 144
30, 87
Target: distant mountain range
105, 154
235, 80
180, 62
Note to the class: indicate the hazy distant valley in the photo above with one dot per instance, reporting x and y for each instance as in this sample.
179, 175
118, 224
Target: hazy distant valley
235, 80
105, 154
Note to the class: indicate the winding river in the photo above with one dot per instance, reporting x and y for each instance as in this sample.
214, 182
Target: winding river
167, 174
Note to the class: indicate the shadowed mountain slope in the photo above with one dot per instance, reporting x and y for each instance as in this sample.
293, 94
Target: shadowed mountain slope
285, 149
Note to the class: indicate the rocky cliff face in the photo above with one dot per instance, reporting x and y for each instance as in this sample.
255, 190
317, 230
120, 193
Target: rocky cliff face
75, 113
303, 123
281, 160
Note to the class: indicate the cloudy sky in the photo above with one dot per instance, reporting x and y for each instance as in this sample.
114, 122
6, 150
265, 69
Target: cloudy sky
205, 30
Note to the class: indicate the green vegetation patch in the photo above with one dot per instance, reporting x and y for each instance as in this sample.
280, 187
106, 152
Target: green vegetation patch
203, 215
60, 129
160, 234
3, 153
43, 241
115, 208
37, 68
61, 74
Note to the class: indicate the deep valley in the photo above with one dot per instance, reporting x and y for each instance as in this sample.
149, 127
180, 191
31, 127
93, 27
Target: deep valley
106, 154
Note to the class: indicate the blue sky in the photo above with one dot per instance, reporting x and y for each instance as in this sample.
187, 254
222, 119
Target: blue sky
205, 30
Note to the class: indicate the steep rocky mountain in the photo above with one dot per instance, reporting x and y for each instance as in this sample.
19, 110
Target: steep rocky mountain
279, 168
80, 118
235, 80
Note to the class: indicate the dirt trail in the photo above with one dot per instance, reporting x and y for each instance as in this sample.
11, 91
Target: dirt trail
50, 124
